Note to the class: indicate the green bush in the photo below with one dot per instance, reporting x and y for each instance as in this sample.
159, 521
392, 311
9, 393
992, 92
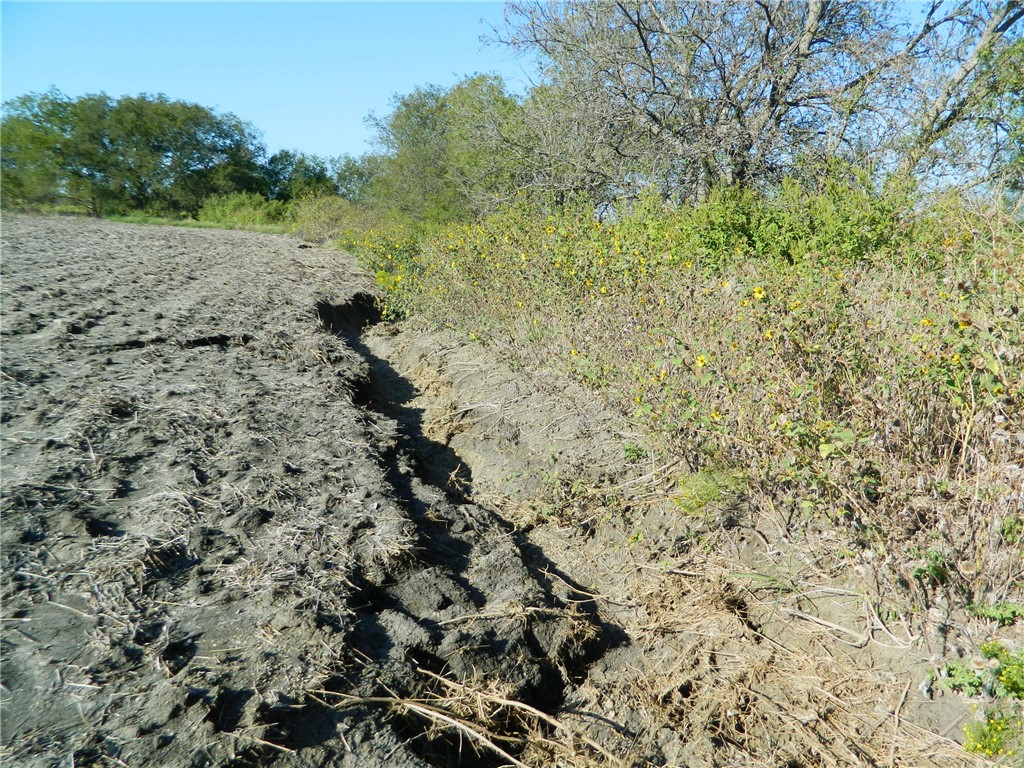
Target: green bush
332, 218
245, 210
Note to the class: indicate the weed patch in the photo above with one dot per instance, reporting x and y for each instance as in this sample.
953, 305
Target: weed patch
858, 361
998, 676
851, 362
247, 210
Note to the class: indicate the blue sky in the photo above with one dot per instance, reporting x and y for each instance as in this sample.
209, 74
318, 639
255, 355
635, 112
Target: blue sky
305, 74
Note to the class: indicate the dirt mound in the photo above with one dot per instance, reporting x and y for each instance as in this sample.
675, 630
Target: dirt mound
244, 523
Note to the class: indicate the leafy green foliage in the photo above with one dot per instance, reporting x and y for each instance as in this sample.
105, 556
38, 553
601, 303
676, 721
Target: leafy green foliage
934, 569
961, 678
133, 153
1004, 612
292, 175
1012, 530
634, 453
999, 96
1001, 732
1009, 670
353, 176
443, 158
245, 210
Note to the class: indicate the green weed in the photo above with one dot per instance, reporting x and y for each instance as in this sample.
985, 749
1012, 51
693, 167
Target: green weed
998, 736
934, 569
1000, 676
246, 210
959, 677
634, 453
1004, 612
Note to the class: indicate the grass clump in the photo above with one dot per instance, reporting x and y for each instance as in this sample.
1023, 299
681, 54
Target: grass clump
695, 492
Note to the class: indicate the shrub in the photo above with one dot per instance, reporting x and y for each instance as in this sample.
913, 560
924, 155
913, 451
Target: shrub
324, 218
244, 210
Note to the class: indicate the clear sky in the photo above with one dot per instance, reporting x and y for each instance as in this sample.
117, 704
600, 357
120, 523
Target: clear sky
305, 74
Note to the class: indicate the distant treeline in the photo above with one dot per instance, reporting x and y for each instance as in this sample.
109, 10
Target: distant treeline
670, 99
143, 153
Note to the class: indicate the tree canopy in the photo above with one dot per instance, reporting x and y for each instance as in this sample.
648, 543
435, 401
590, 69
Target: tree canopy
448, 154
679, 98
684, 96
135, 152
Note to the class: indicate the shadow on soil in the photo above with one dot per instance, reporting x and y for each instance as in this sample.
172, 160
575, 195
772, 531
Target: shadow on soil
389, 394
414, 460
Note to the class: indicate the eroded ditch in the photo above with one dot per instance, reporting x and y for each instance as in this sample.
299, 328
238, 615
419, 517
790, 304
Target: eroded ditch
526, 644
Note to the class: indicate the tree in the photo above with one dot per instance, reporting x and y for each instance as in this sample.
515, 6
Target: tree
53, 149
353, 176
144, 152
448, 154
292, 175
413, 173
486, 135
683, 96
1002, 109
971, 108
